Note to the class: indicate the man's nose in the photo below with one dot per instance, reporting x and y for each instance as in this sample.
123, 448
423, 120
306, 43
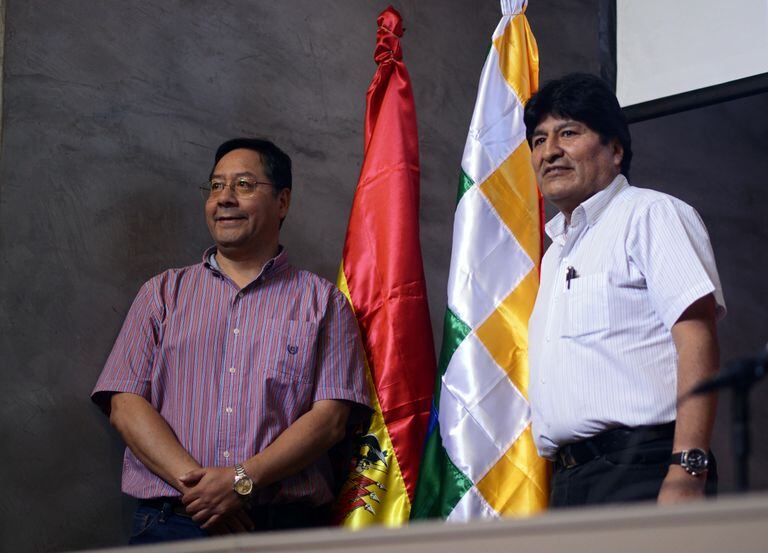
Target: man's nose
551, 149
227, 195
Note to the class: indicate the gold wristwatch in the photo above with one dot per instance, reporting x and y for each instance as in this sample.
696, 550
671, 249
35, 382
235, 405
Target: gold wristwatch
243, 485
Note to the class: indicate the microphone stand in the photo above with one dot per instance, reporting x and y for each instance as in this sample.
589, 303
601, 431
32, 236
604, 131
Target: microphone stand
740, 376
740, 415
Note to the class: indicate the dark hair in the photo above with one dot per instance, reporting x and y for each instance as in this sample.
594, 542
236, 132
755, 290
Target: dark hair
584, 98
276, 163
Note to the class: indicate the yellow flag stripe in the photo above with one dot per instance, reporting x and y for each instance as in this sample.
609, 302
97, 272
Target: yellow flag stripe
519, 57
517, 484
393, 507
511, 190
505, 332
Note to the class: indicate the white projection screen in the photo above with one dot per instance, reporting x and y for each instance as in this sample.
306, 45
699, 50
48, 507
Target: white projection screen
665, 56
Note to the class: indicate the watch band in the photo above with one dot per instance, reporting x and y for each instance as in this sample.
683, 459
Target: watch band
243, 484
695, 461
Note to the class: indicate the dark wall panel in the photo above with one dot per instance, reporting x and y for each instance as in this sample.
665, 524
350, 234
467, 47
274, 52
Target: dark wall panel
112, 111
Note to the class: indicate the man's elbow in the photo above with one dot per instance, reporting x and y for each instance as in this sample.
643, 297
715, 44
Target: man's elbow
335, 421
120, 409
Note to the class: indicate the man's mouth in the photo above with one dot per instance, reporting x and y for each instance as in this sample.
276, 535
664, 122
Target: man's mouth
229, 218
556, 170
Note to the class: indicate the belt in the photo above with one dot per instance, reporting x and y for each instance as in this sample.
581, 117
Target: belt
166, 504
610, 441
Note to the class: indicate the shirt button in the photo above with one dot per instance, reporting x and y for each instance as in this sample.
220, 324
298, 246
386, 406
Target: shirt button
228, 410
226, 454
240, 295
236, 331
232, 370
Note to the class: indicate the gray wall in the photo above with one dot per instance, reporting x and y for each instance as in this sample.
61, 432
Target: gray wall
112, 111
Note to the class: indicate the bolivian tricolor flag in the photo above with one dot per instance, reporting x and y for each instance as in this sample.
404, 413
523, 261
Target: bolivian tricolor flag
382, 276
480, 460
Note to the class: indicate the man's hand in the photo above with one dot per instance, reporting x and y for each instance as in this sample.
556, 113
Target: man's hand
211, 501
680, 487
235, 523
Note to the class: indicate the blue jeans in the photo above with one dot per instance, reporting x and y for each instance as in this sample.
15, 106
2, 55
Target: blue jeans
151, 525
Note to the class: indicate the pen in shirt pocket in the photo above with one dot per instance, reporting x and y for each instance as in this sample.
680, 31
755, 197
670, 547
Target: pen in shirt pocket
570, 274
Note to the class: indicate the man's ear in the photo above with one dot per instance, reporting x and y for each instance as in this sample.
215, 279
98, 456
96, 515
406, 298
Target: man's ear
618, 152
284, 199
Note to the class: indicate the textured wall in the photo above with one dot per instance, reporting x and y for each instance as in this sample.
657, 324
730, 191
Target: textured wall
112, 111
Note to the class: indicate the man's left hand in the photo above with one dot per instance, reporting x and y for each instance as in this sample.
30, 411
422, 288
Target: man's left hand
211, 497
681, 487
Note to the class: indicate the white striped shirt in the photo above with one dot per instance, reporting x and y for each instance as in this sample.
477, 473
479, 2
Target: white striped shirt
600, 347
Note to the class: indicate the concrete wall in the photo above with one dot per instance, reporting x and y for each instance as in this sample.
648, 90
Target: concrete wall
112, 111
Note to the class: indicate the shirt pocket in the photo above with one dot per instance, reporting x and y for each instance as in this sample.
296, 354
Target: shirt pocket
289, 371
289, 353
585, 306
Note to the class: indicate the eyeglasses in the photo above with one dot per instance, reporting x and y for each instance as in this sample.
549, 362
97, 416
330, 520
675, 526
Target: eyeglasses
242, 188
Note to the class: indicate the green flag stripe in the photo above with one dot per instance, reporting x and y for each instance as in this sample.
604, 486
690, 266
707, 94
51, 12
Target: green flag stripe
441, 485
465, 183
454, 332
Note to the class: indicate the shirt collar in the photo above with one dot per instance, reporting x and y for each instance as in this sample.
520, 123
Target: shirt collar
271, 267
591, 209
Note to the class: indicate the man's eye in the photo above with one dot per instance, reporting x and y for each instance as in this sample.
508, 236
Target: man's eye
538, 141
245, 186
217, 186
568, 133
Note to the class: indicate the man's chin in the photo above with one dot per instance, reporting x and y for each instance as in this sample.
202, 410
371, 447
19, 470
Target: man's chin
229, 243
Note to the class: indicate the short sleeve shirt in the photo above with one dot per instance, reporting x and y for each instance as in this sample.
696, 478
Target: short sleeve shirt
231, 369
600, 345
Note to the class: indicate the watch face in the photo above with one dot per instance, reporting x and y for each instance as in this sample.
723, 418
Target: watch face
244, 486
696, 461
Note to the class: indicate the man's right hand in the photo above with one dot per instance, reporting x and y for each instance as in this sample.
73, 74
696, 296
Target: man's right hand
235, 523
211, 500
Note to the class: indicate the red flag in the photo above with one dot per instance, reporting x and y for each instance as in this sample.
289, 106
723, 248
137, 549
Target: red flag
383, 277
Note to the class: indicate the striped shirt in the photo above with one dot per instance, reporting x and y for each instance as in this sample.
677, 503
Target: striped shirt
601, 352
231, 369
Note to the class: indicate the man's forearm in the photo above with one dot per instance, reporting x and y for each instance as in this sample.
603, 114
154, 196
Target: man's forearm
695, 338
302, 443
150, 438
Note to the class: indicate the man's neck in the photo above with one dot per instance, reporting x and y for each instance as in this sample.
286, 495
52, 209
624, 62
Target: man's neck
243, 268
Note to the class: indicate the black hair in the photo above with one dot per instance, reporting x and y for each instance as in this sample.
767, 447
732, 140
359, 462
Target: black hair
276, 163
584, 98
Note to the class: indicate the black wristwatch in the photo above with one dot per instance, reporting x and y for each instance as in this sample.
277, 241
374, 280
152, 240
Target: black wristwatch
695, 461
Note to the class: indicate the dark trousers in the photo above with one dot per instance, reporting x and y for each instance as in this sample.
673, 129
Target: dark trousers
160, 520
629, 469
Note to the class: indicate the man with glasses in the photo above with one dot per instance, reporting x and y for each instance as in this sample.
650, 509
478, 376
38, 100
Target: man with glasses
231, 379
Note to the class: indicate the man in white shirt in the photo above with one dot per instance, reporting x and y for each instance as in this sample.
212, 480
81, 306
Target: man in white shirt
624, 321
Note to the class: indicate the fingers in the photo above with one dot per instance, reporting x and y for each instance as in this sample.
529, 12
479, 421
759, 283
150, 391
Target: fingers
244, 519
235, 525
202, 516
192, 477
192, 501
214, 521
